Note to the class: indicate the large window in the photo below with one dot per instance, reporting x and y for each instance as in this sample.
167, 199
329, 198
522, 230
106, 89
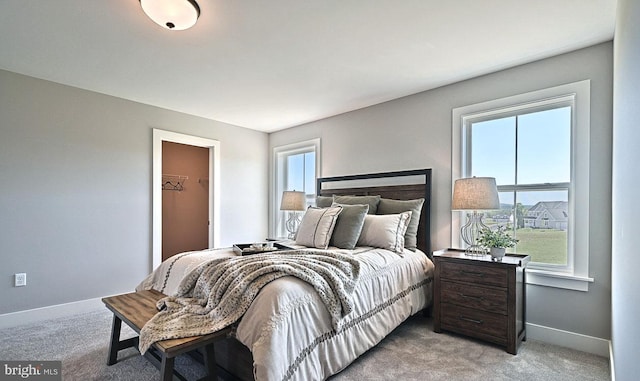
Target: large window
529, 154
536, 145
296, 168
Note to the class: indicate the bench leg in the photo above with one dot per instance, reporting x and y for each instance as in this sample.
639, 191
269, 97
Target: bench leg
166, 368
210, 362
114, 346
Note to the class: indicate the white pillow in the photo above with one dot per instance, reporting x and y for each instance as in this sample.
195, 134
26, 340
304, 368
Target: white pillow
317, 226
385, 231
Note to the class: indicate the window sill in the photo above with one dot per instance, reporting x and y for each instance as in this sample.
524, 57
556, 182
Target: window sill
558, 280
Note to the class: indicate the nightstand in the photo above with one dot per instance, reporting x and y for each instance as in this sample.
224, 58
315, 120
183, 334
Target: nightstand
479, 297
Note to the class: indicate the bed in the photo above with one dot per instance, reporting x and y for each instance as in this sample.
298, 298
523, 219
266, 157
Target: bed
287, 332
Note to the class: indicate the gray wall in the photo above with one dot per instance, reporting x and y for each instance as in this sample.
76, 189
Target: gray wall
75, 199
415, 132
626, 208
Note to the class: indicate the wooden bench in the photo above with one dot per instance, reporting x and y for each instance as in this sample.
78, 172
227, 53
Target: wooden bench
136, 309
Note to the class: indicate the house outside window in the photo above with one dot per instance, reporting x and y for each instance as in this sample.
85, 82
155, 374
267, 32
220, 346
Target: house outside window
536, 145
295, 168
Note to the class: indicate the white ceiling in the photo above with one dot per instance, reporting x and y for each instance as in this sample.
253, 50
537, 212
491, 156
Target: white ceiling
269, 65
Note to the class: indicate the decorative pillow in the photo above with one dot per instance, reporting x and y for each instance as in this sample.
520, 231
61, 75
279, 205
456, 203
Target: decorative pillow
324, 201
349, 225
372, 201
317, 226
385, 231
388, 206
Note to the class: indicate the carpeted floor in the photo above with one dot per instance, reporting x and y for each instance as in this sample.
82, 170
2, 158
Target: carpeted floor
412, 352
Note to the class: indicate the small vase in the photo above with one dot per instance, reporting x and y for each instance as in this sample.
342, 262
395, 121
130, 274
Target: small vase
497, 252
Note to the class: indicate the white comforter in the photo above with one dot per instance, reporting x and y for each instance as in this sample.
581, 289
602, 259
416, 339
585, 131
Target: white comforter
287, 327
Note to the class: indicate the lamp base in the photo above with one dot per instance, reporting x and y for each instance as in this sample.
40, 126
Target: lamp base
292, 224
470, 233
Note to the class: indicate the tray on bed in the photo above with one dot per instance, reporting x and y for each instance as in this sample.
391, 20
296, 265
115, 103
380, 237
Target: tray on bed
249, 248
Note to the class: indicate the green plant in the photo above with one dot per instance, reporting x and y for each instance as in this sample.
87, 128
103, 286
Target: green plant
499, 237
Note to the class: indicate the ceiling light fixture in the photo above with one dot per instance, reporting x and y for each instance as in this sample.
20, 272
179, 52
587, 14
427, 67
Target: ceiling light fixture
172, 14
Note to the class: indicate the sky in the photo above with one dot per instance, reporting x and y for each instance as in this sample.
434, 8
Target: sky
540, 145
299, 167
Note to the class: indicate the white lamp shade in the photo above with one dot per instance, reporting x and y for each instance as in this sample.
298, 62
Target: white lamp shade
172, 14
292, 200
475, 193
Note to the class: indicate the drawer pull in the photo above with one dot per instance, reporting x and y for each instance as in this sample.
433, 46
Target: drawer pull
480, 298
472, 273
470, 320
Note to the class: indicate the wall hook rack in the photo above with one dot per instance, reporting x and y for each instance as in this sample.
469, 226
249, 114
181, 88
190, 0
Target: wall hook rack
173, 182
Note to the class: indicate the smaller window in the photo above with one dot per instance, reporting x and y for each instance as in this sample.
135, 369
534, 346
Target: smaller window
295, 168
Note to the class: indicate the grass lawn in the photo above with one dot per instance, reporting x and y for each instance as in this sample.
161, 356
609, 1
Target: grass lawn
543, 245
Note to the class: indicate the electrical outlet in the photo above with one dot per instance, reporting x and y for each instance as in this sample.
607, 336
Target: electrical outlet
21, 280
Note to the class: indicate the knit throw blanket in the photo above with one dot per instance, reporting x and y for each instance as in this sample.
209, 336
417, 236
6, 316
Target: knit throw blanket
217, 293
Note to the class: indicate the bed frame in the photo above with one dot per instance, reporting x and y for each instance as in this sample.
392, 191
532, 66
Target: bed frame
233, 358
397, 192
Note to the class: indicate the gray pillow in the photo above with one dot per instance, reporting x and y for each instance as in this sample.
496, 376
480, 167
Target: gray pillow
349, 225
388, 206
372, 201
324, 201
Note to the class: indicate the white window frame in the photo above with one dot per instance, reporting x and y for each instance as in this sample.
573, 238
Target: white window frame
575, 275
278, 181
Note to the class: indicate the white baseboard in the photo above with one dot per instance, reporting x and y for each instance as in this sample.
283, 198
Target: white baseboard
35, 315
568, 339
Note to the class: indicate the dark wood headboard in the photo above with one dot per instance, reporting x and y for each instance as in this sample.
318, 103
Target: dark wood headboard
422, 189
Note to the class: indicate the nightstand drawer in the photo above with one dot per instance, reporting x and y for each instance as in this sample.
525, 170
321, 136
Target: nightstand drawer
484, 298
474, 322
493, 276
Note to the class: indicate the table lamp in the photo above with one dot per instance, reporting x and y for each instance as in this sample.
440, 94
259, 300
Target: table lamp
293, 202
474, 193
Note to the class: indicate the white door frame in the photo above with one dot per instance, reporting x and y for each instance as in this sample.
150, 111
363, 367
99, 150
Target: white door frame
214, 191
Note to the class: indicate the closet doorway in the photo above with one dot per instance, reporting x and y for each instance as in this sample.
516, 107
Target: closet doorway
185, 194
185, 198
